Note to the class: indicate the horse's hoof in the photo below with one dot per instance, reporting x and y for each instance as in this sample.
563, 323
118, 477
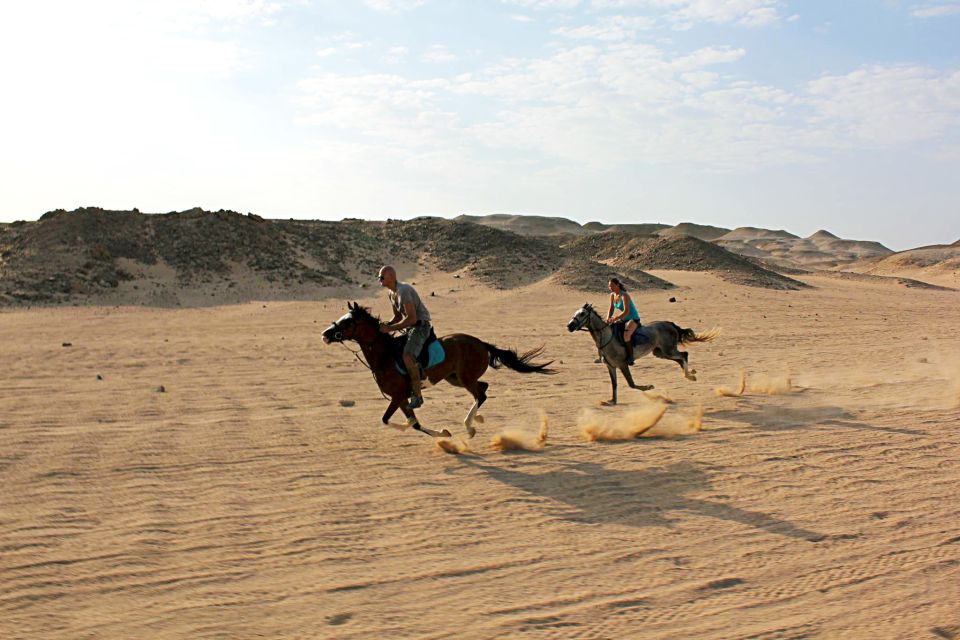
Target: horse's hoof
445, 434
692, 378
644, 387
471, 432
478, 419
608, 403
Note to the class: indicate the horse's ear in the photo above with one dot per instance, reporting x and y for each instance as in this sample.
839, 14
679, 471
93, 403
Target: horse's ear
349, 305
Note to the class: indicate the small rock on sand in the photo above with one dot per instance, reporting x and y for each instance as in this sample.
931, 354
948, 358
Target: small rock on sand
347, 403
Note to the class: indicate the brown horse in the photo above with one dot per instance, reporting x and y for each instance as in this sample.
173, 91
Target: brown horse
467, 359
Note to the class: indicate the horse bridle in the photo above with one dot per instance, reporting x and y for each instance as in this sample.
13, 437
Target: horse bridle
338, 338
584, 327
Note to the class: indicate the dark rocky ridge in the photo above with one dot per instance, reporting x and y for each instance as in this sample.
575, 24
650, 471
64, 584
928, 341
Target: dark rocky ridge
679, 253
85, 255
93, 255
588, 275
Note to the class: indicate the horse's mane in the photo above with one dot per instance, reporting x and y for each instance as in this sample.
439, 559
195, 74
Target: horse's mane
364, 313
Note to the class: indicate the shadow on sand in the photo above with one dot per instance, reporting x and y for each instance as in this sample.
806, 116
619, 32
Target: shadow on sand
644, 498
770, 417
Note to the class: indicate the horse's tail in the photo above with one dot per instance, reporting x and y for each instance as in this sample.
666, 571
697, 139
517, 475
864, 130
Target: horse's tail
688, 335
521, 363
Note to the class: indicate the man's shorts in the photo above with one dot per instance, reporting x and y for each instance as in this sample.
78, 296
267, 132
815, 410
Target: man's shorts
416, 337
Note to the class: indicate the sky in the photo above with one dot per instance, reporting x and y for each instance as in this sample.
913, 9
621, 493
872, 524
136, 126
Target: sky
786, 114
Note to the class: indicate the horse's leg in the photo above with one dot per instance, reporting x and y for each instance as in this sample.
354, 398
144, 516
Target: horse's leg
680, 357
457, 380
625, 370
414, 423
479, 392
613, 384
391, 409
483, 398
686, 357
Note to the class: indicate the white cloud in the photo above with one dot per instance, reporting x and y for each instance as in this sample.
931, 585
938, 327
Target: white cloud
396, 55
544, 4
438, 53
608, 28
600, 105
759, 17
345, 41
887, 105
586, 105
936, 9
384, 107
686, 13
393, 6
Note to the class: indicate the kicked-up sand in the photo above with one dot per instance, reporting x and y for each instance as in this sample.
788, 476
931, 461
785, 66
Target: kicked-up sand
258, 495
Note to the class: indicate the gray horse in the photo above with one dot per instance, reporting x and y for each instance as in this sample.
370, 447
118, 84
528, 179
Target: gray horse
664, 338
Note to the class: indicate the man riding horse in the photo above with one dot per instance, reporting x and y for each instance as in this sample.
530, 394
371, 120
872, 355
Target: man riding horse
410, 315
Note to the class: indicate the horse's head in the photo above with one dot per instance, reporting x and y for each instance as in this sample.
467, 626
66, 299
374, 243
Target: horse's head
353, 325
580, 318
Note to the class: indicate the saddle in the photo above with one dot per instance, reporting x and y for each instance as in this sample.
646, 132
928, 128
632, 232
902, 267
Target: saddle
640, 336
431, 355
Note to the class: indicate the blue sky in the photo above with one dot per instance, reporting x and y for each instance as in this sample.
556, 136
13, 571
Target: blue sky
842, 115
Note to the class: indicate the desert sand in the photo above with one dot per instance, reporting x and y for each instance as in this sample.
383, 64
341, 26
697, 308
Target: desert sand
246, 501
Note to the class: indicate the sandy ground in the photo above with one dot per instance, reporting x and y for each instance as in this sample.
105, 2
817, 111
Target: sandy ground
245, 501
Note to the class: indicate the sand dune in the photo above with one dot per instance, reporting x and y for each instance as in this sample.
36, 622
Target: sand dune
938, 264
821, 250
246, 501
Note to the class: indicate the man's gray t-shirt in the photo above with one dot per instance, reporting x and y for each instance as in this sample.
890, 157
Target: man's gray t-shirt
405, 293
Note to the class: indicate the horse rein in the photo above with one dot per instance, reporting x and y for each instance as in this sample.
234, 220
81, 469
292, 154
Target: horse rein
356, 354
586, 328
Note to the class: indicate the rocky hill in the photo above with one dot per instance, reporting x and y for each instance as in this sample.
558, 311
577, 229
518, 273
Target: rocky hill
822, 250
584, 274
701, 231
680, 253
93, 255
779, 248
936, 264
196, 256
526, 225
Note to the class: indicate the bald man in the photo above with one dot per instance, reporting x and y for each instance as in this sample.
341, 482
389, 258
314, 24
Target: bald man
409, 315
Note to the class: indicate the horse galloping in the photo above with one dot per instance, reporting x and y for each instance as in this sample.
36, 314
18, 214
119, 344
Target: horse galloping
664, 337
466, 360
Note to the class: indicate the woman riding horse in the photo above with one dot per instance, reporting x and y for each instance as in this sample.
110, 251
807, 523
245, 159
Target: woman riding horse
621, 301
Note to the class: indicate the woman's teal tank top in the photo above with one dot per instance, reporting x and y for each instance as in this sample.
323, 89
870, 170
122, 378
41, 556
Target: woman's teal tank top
633, 315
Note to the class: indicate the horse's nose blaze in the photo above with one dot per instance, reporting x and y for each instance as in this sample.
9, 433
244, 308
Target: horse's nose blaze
332, 334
